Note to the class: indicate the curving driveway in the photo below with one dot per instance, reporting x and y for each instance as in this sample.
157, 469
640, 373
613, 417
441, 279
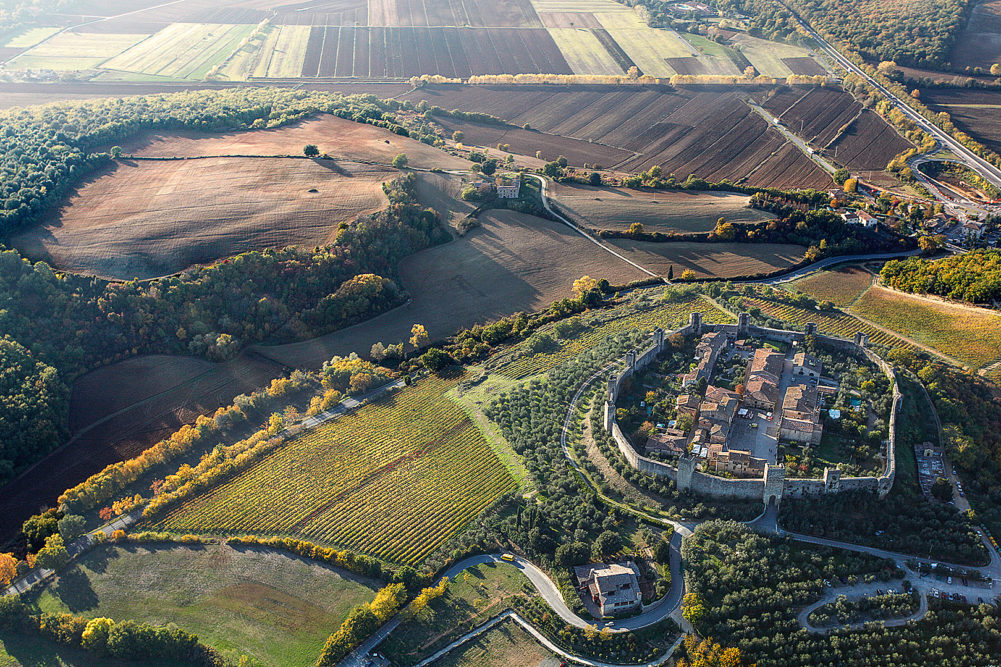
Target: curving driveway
856, 593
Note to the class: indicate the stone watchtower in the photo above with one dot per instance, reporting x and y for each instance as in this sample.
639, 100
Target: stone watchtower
832, 480
695, 322
775, 477
861, 339
658, 339
811, 328
743, 324
686, 470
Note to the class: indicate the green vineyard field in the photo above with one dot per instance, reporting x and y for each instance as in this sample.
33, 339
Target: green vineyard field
835, 323
669, 316
392, 480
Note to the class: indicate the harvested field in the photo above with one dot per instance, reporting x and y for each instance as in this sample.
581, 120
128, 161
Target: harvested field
393, 479
682, 211
182, 50
979, 43
395, 52
717, 260
130, 405
804, 66
584, 51
833, 122
528, 142
970, 335
499, 14
74, 51
338, 137
976, 112
28, 38
145, 219
647, 47
275, 607
769, 57
840, 286
659, 125
510, 262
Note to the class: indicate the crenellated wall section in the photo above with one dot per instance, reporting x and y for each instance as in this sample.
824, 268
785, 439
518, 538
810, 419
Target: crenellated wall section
774, 486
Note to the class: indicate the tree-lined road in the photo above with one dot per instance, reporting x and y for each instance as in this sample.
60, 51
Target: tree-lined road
988, 171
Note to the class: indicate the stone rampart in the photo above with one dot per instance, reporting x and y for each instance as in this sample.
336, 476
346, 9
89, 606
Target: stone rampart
774, 485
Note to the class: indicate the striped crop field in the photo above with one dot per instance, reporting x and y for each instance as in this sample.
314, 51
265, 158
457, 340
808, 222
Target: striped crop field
667, 316
69, 51
183, 50
834, 323
647, 47
393, 480
284, 52
584, 53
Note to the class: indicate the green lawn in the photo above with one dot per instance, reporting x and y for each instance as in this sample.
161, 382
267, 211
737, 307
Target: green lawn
276, 608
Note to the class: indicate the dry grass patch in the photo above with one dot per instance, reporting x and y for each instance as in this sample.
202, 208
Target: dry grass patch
146, 219
971, 335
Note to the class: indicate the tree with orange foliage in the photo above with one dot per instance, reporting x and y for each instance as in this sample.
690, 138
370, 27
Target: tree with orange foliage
8, 568
708, 653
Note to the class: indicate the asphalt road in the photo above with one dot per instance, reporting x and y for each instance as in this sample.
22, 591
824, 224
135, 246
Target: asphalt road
966, 156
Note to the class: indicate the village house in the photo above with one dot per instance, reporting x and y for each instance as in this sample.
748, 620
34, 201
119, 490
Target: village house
687, 405
707, 351
800, 420
508, 186
806, 365
737, 462
614, 588
761, 387
672, 442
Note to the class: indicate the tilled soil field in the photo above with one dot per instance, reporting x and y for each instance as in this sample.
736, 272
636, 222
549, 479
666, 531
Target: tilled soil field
976, 112
708, 132
680, 211
340, 138
149, 218
720, 260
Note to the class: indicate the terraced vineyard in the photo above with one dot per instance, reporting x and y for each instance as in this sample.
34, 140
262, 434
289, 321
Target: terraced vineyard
393, 480
668, 316
835, 323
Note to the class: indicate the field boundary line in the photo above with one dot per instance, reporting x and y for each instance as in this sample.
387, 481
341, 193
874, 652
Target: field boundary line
906, 339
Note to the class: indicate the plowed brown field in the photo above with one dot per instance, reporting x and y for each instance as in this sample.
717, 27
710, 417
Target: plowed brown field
143, 219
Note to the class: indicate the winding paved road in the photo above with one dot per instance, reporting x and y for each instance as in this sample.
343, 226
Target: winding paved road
857, 593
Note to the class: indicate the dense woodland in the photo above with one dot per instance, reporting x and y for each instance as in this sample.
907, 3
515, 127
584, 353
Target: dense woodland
974, 276
746, 590
73, 323
919, 34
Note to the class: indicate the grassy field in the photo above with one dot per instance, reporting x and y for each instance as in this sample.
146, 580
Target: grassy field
29, 37
970, 335
645, 46
276, 608
472, 598
839, 286
74, 51
284, 51
147, 219
502, 646
393, 479
667, 316
583, 51
767, 56
681, 210
182, 50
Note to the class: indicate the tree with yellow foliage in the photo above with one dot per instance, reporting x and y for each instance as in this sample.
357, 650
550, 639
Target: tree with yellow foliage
851, 185
583, 285
707, 653
419, 336
8, 568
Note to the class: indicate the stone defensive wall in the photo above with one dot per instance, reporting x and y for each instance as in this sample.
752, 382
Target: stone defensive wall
773, 486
